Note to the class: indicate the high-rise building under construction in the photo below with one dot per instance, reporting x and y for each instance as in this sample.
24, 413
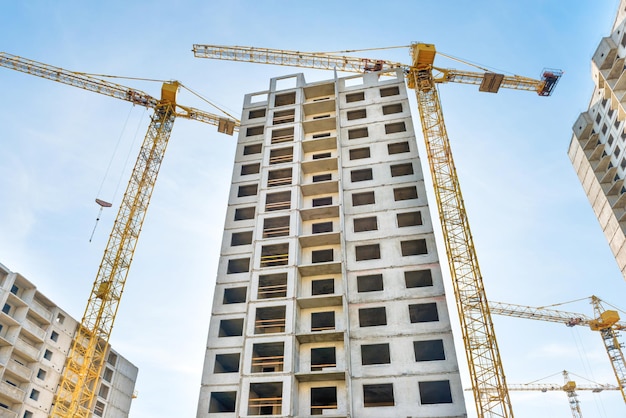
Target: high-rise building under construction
329, 297
598, 145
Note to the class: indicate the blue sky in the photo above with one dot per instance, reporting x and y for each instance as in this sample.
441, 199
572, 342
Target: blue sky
537, 239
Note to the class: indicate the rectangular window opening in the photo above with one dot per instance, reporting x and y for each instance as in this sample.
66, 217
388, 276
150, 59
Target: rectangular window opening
361, 175
242, 214
270, 320
355, 97
241, 238
238, 265
378, 395
398, 148
398, 170
365, 224
256, 113
250, 169
323, 287
435, 392
255, 130
323, 399
322, 321
234, 295
392, 108
409, 219
423, 312
375, 354
369, 283
252, 149
226, 363
357, 114
278, 201
222, 402
357, 133
372, 317
276, 227
414, 247
389, 91
272, 286
231, 328
274, 255
265, 398
247, 190
322, 358
405, 193
322, 227
359, 153
268, 357
322, 256
367, 252
364, 198
429, 350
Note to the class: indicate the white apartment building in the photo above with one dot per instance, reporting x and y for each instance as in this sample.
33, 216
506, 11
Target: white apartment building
598, 143
329, 297
35, 338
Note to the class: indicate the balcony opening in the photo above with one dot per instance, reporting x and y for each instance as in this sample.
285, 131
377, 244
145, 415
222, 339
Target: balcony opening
278, 201
423, 312
323, 358
367, 252
268, 357
414, 247
284, 116
357, 114
323, 287
322, 256
389, 91
357, 133
231, 327
435, 392
256, 113
429, 350
276, 227
285, 99
321, 135
405, 193
238, 265
281, 155
325, 116
234, 295
226, 363
375, 354
222, 402
355, 97
392, 128
322, 321
322, 201
363, 174
247, 190
279, 177
365, 224
252, 149
418, 278
409, 219
241, 238
282, 135
378, 395
322, 177
270, 320
272, 286
244, 213
322, 227
323, 399
274, 255
321, 155
392, 108
369, 283
359, 153
372, 317
248, 169
265, 398
398, 170
365, 198
398, 148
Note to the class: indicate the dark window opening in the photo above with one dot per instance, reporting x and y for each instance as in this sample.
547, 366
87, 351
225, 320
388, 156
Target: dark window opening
322, 321
375, 354
238, 265
234, 295
378, 395
231, 328
278, 201
405, 193
392, 128
256, 113
322, 256
418, 278
274, 255
359, 153
323, 287
323, 357
357, 114
244, 213
323, 201
398, 148
254, 130
322, 227
365, 224
280, 177
226, 363
284, 116
270, 320
285, 99
250, 169
222, 402
398, 170
423, 312
392, 108
321, 155
369, 283
272, 286
323, 398
365, 198
367, 252
357, 133
276, 227
409, 219
355, 97
268, 357
241, 238
435, 392
389, 91
282, 135
252, 149
281, 155
322, 177
247, 190
372, 317
361, 175
414, 247
265, 398
428, 350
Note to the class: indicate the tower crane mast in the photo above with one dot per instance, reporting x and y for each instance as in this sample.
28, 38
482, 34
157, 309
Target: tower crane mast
77, 389
606, 322
483, 357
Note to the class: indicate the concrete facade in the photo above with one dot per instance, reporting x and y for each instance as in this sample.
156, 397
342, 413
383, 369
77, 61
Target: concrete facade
329, 297
35, 338
598, 143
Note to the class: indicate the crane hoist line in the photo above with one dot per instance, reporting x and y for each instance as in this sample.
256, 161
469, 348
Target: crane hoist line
481, 349
77, 390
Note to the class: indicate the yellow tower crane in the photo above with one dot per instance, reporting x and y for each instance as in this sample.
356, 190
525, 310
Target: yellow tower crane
76, 392
569, 387
606, 322
481, 349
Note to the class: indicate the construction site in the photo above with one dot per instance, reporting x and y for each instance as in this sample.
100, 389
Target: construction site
431, 228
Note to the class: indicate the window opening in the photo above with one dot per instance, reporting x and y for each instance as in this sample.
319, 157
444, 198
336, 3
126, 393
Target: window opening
361, 175
428, 350
322, 177
281, 155
322, 358
268, 357
274, 255
435, 392
367, 252
405, 193
423, 312
418, 278
244, 213
372, 317
414, 247
398, 148
398, 170
276, 227
392, 108
323, 201
389, 91
355, 97
238, 265
270, 320
323, 287
365, 224
265, 398
359, 153
222, 402
409, 219
256, 113
357, 133
234, 295
250, 169
364, 198
231, 327
369, 283
357, 114
241, 238
375, 354
322, 256
272, 286
378, 395
323, 399
282, 135
247, 190
278, 201
322, 227
255, 130
226, 363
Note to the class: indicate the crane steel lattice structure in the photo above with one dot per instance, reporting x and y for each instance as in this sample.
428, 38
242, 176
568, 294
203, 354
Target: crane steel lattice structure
481, 348
569, 387
606, 322
77, 389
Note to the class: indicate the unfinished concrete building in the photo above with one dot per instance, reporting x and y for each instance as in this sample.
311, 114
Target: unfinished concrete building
599, 140
35, 338
329, 297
